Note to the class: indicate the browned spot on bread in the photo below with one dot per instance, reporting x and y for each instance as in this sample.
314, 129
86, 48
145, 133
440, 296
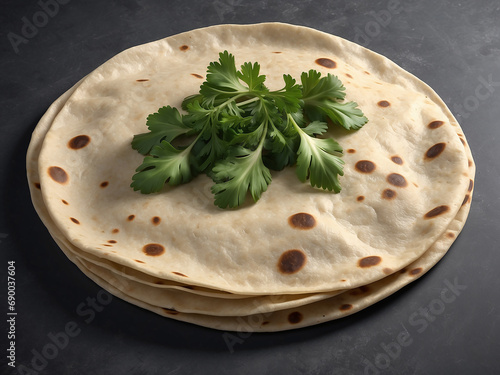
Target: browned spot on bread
295, 317
74, 220
178, 273
130, 217
156, 220
65, 202
471, 185
37, 185
388, 194
369, 261
383, 103
197, 75
291, 261
387, 271
170, 311
139, 261
80, 141
360, 198
470, 163
415, 271
116, 230
435, 150
361, 290
327, 63
104, 184
367, 72
302, 220
58, 175
466, 199
403, 270
346, 307
351, 151
365, 166
142, 80
108, 245
439, 210
450, 235
348, 75
397, 180
111, 241
396, 159
184, 48
435, 124
153, 249
463, 141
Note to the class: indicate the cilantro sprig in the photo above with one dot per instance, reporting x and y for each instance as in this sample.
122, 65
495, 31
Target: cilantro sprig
236, 130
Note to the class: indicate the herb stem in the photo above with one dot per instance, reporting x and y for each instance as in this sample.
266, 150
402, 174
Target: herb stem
254, 99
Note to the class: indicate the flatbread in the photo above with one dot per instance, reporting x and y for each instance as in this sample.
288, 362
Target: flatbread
354, 241
439, 178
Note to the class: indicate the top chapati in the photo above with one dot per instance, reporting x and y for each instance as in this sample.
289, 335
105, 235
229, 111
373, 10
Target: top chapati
405, 174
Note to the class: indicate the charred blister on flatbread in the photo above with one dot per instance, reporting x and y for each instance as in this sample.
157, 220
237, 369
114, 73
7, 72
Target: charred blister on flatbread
302, 220
295, 317
291, 261
365, 166
435, 151
153, 249
58, 174
325, 62
78, 142
397, 180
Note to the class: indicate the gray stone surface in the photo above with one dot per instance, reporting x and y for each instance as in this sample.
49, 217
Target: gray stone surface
454, 46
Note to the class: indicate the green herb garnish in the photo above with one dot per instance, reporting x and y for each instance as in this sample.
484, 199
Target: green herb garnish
235, 130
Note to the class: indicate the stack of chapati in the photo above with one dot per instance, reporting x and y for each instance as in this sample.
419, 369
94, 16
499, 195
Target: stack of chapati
299, 256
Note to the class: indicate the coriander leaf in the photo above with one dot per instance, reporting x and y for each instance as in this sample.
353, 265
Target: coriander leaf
283, 143
262, 114
278, 140
345, 114
287, 156
316, 89
315, 128
198, 116
319, 160
166, 124
320, 97
230, 124
243, 170
166, 164
190, 100
222, 81
248, 139
250, 75
210, 148
288, 99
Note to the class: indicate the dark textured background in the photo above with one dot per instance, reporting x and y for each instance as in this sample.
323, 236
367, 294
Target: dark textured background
453, 46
